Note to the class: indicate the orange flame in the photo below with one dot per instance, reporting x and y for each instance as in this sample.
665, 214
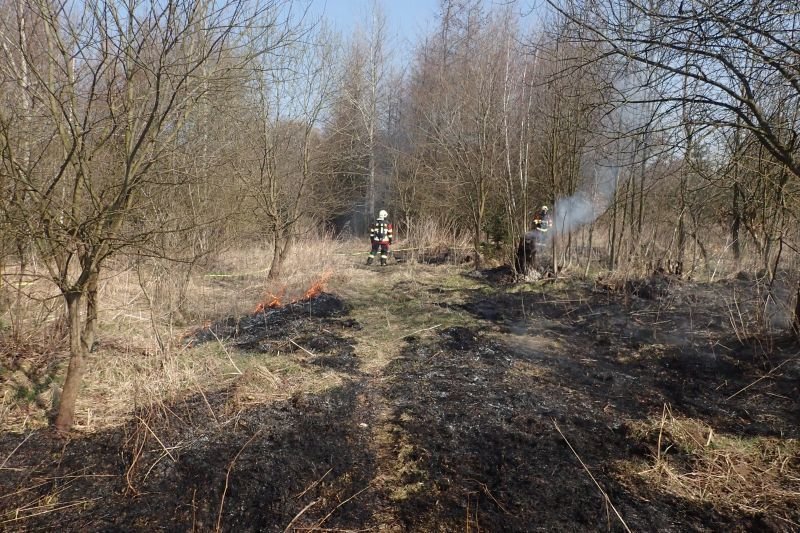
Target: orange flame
272, 301
318, 286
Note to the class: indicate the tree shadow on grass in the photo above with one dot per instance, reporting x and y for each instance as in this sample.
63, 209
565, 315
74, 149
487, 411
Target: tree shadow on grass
681, 351
476, 439
187, 467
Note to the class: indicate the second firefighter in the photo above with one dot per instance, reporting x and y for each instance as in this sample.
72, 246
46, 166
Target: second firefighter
380, 236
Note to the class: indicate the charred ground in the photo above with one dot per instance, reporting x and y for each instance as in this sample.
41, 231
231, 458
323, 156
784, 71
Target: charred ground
488, 395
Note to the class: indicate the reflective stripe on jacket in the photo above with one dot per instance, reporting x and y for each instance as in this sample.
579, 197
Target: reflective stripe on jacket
381, 231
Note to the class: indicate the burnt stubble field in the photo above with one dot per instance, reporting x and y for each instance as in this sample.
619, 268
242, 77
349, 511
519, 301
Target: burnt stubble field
558, 406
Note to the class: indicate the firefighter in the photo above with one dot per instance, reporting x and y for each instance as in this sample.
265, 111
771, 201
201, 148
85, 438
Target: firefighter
542, 220
380, 235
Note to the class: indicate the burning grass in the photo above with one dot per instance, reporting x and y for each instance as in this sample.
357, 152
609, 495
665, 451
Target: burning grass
273, 301
691, 460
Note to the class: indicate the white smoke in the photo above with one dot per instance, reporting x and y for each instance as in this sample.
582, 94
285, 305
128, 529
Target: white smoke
585, 206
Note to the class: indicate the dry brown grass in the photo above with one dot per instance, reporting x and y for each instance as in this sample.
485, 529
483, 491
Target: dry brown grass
131, 371
142, 357
395, 302
147, 309
427, 238
693, 461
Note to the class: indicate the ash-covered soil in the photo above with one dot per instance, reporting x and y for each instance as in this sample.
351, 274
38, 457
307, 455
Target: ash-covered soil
311, 326
473, 428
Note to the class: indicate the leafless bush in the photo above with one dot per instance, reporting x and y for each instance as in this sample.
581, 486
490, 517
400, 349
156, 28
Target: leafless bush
428, 239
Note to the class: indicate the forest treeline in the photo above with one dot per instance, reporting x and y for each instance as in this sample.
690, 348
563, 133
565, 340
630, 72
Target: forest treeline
661, 133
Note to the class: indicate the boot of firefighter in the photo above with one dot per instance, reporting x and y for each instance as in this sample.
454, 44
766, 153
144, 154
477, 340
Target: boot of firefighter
383, 260
370, 259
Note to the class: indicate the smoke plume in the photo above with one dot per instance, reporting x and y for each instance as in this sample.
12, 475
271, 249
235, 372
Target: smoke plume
583, 207
586, 205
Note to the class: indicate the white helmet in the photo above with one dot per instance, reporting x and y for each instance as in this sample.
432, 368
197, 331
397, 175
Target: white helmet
383, 215
544, 208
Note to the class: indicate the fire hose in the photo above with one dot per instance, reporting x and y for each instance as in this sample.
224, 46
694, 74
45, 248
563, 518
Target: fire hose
402, 250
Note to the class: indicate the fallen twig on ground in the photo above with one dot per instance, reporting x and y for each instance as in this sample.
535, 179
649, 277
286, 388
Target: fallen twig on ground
309, 353
15, 450
417, 331
765, 376
586, 468
228, 475
53, 510
227, 353
324, 518
314, 484
157, 439
298, 515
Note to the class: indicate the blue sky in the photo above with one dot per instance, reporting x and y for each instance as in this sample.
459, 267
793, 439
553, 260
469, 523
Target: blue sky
406, 20
403, 16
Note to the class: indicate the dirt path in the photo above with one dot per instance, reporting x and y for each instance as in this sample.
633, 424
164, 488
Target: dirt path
458, 405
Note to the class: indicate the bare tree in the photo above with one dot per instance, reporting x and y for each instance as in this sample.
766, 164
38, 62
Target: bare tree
118, 82
283, 178
733, 64
461, 115
716, 45
359, 115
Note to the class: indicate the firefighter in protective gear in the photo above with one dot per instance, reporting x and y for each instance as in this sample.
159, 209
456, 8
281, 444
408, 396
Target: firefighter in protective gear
542, 220
380, 236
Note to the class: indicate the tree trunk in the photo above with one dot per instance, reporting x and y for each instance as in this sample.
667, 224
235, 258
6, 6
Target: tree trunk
525, 257
736, 225
589, 254
797, 311
477, 220
371, 192
87, 336
77, 352
612, 230
280, 251
476, 244
621, 244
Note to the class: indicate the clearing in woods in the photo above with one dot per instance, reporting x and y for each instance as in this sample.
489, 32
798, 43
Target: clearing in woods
448, 401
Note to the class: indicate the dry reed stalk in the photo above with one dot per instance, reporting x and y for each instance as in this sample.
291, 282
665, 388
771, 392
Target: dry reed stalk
314, 484
309, 353
153, 433
765, 376
301, 513
586, 468
228, 475
17, 447
417, 331
486, 491
753, 476
343, 502
53, 510
208, 405
227, 354
332, 530
48, 500
139, 439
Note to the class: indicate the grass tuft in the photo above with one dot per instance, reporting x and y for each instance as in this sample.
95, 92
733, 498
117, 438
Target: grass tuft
693, 461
